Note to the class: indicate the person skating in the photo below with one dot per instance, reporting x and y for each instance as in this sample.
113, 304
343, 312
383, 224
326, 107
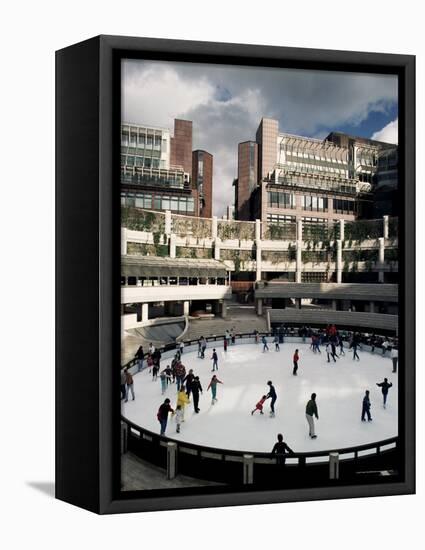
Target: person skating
199, 348
182, 400
225, 344
203, 347
280, 449
214, 358
259, 405
394, 358
295, 360
163, 379
162, 415
354, 345
151, 348
155, 370
149, 362
265, 346
341, 345
366, 407
276, 343
328, 351
333, 349
385, 386
178, 417
180, 374
188, 379
273, 396
196, 389
139, 355
122, 384
181, 348
310, 412
129, 384
213, 385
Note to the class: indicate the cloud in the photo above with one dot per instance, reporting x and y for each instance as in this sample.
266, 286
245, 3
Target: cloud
389, 133
226, 104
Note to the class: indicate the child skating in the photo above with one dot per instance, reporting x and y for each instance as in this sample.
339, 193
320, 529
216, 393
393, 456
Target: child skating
178, 417
259, 405
213, 386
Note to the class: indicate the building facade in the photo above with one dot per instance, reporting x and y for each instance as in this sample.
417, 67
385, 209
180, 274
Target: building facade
157, 170
312, 180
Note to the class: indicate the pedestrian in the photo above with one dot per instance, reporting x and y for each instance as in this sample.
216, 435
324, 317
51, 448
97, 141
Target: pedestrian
214, 358
151, 348
182, 400
385, 386
273, 396
180, 374
149, 362
333, 348
259, 405
341, 345
188, 379
155, 370
163, 379
310, 412
139, 355
199, 347
225, 344
179, 418
162, 415
295, 360
280, 449
354, 346
394, 358
129, 384
385, 347
366, 407
265, 346
213, 385
233, 337
181, 348
276, 343
122, 384
256, 336
328, 351
196, 389
203, 347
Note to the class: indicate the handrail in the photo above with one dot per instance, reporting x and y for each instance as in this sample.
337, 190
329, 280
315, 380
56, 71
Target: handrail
230, 452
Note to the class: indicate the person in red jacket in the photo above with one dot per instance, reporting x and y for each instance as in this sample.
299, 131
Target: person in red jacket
259, 405
295, 360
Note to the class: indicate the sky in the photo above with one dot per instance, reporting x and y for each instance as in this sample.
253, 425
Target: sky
226, 104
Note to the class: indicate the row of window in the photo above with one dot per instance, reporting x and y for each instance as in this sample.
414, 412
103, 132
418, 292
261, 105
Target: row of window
183, 205
162, 178
309, 202
143, 140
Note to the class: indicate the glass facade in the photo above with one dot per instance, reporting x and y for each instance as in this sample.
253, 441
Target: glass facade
280, 200
314, 203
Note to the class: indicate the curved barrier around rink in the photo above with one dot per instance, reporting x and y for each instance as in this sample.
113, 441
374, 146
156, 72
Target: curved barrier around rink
230, 466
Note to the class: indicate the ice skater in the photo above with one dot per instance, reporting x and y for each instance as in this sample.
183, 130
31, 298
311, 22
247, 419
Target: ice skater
162, 415
181, 348
163, 380
225, 344
280, 449
295, 360
213, 385
129, 385
354, 345
273, 396
180, 374
179, 418
182, 401
259, 405
385, 386
394, 358
188, 379
264, 342
203, 347
310, 412
276, 343
155, 370
196, 389
139, 355
214, 358
366, 407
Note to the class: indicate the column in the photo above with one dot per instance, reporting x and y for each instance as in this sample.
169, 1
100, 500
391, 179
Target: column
186, 308
333, 466
299, 265
342, 230
299, 230
172, 245
372, 307
214, 228
168, 222
259, 306
257, 230
298, 303
248, 469
386, 227
381, 259
145, 312
334, 305
224, 309
217, 244
339, 261
123, 241
171, 460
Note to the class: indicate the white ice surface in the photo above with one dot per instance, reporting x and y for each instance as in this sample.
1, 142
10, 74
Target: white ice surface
245, 371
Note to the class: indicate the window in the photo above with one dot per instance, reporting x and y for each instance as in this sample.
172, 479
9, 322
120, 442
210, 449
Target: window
344, 206
314, 203
174, 203
281, 200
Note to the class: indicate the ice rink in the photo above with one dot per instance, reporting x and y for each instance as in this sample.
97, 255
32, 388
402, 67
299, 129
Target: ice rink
245, 370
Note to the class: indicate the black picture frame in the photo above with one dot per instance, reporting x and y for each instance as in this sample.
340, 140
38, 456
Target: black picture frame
88, 267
